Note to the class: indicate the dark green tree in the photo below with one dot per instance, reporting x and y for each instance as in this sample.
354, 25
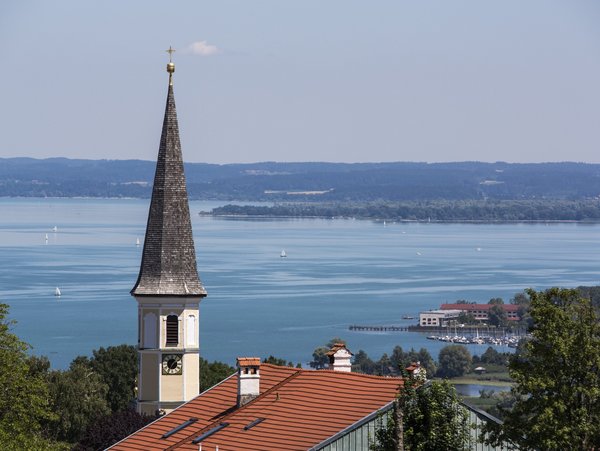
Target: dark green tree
491, 356
24, 400
108, 430
213, 373
362, 363
591, 293
276, 361
320, 359
78, 398
453, 361
520, 299
384, 366
400, 359
432, 419
117, 366
497, 316
281, 362
467, 318
557, 377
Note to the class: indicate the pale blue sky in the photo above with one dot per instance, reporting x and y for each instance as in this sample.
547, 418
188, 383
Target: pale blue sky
351, 81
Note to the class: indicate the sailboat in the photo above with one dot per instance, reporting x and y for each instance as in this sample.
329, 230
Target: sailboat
57, 292
283, 254
55, 229
137, 241
46, 238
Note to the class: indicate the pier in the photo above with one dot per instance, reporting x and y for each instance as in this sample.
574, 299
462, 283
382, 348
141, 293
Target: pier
359, 328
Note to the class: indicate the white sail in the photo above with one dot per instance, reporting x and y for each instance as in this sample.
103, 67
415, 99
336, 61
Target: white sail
57, 292
283, 254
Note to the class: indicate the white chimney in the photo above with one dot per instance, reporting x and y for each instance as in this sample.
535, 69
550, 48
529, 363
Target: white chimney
248, 379
416, 371
339, 358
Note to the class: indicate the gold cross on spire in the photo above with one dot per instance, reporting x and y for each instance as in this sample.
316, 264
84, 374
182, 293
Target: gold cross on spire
170, 52
170, 65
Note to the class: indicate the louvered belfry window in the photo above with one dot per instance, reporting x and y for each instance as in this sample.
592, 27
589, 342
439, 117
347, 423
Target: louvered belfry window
172, 330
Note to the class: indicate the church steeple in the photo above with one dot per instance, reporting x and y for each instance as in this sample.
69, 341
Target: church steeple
168, 290
169, 260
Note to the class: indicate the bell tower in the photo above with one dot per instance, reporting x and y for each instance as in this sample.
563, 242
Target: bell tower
168, 289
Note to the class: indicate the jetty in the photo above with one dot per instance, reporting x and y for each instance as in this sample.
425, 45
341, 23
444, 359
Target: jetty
359, 328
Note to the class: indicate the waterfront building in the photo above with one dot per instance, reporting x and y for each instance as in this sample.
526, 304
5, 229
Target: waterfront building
168, 289
438, 318
481, 311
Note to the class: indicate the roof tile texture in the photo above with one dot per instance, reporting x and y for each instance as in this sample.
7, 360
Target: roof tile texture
248, 361
169, 259
301, 408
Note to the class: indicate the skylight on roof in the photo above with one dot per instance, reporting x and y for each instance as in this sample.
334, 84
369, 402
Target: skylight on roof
210, 432
179, 428
254, 423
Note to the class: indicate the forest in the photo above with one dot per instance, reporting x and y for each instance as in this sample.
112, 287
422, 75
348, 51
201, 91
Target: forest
314, 182
432, 211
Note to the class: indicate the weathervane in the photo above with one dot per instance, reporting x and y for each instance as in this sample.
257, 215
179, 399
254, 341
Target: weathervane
170, 65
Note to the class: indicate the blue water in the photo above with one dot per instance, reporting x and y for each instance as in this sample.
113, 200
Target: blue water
475, 389
337, 273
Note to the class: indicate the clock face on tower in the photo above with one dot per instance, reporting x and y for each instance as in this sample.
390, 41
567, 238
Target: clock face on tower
172, 364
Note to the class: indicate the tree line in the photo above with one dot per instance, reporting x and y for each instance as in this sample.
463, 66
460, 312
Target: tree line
340, 182
453, 360
434, 210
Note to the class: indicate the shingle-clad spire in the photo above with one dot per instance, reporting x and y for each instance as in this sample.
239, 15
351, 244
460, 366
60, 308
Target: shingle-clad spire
169, 260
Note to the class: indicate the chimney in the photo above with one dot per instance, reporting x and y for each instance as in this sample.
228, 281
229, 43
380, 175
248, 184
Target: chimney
248, 379
416, 371
339, 358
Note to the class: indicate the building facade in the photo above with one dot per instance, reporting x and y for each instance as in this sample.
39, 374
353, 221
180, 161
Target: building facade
481, 312
438, 318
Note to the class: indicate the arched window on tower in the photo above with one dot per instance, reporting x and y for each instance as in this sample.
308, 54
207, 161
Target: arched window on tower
172, 330
191, 330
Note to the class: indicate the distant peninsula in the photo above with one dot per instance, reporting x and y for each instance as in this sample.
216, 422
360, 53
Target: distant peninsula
426, 211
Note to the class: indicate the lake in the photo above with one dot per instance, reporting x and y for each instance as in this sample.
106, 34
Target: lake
337, 273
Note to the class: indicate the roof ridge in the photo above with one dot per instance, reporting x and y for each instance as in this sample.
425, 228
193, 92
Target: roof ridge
236, 411
343, 373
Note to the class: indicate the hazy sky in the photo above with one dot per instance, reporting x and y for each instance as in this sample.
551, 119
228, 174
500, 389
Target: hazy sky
351, 81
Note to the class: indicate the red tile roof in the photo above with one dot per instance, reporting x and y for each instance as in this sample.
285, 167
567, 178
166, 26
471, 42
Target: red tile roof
300, 408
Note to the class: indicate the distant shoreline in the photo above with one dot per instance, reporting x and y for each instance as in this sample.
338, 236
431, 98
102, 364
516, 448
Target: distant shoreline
393, 212
408, 221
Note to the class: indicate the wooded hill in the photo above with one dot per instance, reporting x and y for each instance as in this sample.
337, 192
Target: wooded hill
322, 182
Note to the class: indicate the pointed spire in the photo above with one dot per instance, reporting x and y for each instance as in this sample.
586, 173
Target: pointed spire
169, 259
